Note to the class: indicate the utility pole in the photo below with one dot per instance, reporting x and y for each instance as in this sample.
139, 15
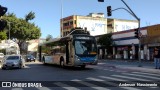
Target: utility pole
9, 24
139, 45
61, 19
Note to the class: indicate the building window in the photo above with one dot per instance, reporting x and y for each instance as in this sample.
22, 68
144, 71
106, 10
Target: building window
71, 22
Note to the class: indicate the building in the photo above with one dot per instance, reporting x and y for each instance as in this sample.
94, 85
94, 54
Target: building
96, 24
126, 44
9, 47
116, 25
32, 46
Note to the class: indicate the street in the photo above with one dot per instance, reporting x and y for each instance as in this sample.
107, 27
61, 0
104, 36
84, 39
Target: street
104, 76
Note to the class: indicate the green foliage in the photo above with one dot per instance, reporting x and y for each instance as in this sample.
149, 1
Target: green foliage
49, 37
106, 40
30, 16
20, 28
3, 35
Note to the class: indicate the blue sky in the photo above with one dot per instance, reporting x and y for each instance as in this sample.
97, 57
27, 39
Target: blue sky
48, 12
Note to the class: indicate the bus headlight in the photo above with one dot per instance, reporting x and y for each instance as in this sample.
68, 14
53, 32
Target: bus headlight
77, 58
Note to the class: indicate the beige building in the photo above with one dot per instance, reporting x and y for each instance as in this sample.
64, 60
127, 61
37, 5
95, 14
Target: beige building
96, 24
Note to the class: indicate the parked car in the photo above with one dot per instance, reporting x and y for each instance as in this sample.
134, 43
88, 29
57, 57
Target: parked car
13, 61
1, 57
30, 58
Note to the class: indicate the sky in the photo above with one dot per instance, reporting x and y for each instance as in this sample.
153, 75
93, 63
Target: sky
48, 12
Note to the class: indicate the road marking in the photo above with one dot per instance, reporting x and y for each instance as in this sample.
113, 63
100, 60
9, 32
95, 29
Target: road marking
139, 79
101, 63
65, 86
113, 84
111, 70
142, 76
17, 89
120, 71
116, 79
43, 88
90, 85
146, 73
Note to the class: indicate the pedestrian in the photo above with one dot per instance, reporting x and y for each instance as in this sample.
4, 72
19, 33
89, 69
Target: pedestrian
156, 58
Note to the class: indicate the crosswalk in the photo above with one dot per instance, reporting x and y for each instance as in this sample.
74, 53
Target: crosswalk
102, 82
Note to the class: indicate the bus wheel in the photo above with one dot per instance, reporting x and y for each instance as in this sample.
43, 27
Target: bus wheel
83, 66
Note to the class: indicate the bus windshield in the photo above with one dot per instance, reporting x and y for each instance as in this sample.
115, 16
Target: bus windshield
85, 47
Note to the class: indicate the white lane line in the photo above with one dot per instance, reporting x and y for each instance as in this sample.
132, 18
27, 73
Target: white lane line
43, 88
151, 77
116, 79
17, 89
146, 73
111, 70
65, 86
90, 85
113, 84
139, 79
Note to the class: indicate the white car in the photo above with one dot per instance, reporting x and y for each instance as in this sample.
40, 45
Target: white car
13, 61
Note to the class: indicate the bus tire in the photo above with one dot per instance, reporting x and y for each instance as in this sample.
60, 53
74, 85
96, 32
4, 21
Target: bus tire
62, 62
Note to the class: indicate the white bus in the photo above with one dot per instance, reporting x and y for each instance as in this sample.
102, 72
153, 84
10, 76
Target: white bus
76, 49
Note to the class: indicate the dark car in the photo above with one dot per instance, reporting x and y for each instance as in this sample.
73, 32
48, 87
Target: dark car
30, 58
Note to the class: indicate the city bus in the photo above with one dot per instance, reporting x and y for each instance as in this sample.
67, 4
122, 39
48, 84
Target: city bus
78, 48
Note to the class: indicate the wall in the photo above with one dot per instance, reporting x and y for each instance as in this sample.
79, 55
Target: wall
121, 25
96, 26
33, 45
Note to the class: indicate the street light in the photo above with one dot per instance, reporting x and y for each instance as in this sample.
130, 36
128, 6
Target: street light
61, 33
9, 24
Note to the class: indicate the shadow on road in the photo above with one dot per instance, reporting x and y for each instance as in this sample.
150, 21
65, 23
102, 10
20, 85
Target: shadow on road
68, 67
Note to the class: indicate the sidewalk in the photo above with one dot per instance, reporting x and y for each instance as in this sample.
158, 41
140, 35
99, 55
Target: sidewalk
146, 66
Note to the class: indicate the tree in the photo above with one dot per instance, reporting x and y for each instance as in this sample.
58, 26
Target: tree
106, 41
21, 30
30, 16
49, 37
3, 35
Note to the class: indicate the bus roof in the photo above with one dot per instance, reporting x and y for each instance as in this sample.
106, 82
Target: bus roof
76, 31
62, 39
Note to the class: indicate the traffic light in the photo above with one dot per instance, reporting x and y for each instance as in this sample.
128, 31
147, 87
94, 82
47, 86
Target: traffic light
100, 0
109, 12
3, 24
3, 10
136, 33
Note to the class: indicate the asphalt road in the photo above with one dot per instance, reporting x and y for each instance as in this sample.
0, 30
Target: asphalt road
100, 77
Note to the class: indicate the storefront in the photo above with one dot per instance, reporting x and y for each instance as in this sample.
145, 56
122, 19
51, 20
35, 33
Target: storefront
151, 40
126, 45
